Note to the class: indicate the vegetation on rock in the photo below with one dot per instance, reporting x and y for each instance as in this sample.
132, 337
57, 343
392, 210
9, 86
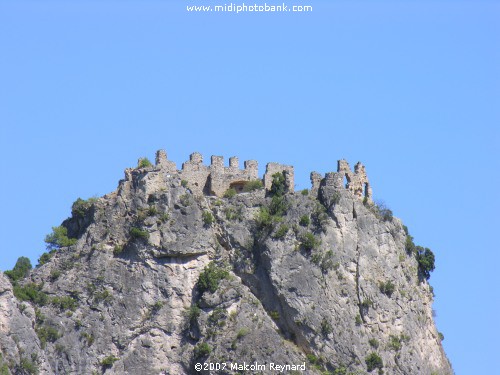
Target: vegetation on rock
59, 238
210, 277
21, 269
144, 163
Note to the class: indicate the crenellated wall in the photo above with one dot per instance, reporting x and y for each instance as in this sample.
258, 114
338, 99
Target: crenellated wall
195, 173
221, 178
216, 179
356, 182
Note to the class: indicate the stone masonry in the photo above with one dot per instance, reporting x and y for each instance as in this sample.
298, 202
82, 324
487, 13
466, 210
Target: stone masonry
344, 178
216, 179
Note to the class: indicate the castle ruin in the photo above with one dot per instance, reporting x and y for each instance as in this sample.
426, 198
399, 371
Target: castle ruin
215, 179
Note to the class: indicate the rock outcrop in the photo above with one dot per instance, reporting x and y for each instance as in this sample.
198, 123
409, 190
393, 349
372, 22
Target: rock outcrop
162, 277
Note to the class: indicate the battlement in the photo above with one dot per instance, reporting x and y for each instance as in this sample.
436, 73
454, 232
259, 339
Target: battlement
213, 179
216, 178
356, 182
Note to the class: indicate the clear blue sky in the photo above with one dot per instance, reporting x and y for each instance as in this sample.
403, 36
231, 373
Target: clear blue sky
410, 88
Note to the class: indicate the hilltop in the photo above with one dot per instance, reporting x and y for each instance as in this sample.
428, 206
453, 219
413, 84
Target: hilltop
210, 264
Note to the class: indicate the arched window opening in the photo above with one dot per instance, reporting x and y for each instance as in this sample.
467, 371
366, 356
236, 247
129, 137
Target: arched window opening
346, 181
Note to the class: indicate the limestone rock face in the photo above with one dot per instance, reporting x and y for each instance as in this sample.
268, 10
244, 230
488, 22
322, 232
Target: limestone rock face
18, 341
305, 288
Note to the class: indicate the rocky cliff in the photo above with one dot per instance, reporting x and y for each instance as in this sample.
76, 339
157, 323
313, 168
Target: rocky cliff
155, 279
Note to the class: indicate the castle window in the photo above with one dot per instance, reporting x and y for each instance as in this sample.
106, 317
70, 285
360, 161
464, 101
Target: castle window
346, 181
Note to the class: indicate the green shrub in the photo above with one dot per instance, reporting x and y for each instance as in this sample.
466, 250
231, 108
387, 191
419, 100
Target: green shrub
242, 333
304, 220
27, 366
441, 336
278, 206
425, 259
410, 245
210, 277
208, 218
358, 320
267, 217
164, 217
373, 343
39, 317
21, 269
274, 315
230, 193
387, 288
373, 361
54, 275
263, 218
193, 313
59, 238
118, 249
320, 217
278, 186
253, 185
341, 370
138, 233
152, 211
184, 183
281, 232
80, 207
31, 292
102, 296
367, 303
144, 163
394, 343
109, 361
78, 324
44, 258
313, 359
326, 327
308, 241
202, 350
317, 362
65, 303
46, 334
304, 192
4, 368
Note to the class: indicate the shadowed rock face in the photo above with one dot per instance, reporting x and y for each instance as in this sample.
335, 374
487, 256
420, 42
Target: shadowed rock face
304, 288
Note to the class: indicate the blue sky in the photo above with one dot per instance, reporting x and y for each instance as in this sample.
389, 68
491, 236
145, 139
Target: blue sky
410, 88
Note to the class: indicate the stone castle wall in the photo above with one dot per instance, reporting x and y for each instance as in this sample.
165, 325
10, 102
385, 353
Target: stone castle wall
216, 179
356, 182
